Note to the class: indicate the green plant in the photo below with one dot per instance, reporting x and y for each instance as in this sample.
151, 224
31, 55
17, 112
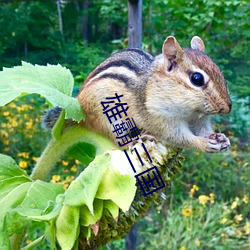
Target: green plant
101, 204
199, 223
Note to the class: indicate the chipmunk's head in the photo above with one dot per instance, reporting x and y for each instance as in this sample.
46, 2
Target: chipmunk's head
196, 76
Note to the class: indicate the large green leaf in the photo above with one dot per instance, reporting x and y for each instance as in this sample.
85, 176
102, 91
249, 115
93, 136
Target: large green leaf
118, 188
21, 198
67, 226
103, 181
9, 168
83, 152
39, 194
86, 218
83, 189
6, 186
53, 82
112, 208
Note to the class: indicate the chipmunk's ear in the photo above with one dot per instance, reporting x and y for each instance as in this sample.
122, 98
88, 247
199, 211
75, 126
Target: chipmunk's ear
171, 49
197, 43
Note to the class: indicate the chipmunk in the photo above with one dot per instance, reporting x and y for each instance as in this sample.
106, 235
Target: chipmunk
170, 96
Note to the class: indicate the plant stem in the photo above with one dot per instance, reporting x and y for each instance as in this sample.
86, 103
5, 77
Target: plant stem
57, 147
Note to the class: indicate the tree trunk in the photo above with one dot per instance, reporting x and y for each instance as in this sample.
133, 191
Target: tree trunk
59, 16
85, 20
135, 23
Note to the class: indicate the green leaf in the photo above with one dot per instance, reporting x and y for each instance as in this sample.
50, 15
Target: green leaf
58, 127
9, 168
14, 198
83, 152
14, 223
67, 226
48, 215
39, 194
53, 82
112, 208
20, 197
86, 218
50, 234
86, 231
83, 189
4, 240
6, 186
118, 188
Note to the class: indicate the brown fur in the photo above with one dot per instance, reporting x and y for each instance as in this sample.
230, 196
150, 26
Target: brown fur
160, 96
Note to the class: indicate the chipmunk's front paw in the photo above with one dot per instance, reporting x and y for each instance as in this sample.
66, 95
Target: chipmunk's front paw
142, 138
217, 142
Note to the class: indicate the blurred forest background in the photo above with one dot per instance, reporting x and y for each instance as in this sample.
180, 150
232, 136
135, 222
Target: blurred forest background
208, 204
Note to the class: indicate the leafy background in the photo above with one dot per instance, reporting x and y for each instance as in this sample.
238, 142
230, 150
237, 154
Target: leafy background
207, 206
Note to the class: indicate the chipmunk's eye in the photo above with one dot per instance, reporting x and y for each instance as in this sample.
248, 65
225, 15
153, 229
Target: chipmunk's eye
197, 79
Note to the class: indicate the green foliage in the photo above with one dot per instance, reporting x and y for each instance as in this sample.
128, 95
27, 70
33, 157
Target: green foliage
198, 224
94, 200
30, 32
52, 82
223, 25
19, 198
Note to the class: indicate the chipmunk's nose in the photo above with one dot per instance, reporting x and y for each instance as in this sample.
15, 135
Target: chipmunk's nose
230, 106
227, 108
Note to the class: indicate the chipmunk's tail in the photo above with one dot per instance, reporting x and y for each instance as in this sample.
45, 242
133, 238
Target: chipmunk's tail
50, 117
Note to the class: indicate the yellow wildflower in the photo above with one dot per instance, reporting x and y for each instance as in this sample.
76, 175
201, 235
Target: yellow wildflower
183, 248
55, 178
238, 218
29, 124
6, 141
6, 113
223, 235
73, 168
24, 155
197, 242
35, 159
65, 163
14, 123
187, 211
4, 134
23, 107
65, 185
224, 164
70, 178
23, 164
203, 199
235, 203
12, 105
193, 190
211, 195
245, 199
6, 149
77, 162
247, 227
238, 233
234, 152
223, 220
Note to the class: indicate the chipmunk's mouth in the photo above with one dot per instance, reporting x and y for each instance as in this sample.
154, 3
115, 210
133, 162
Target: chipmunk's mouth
224, 108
